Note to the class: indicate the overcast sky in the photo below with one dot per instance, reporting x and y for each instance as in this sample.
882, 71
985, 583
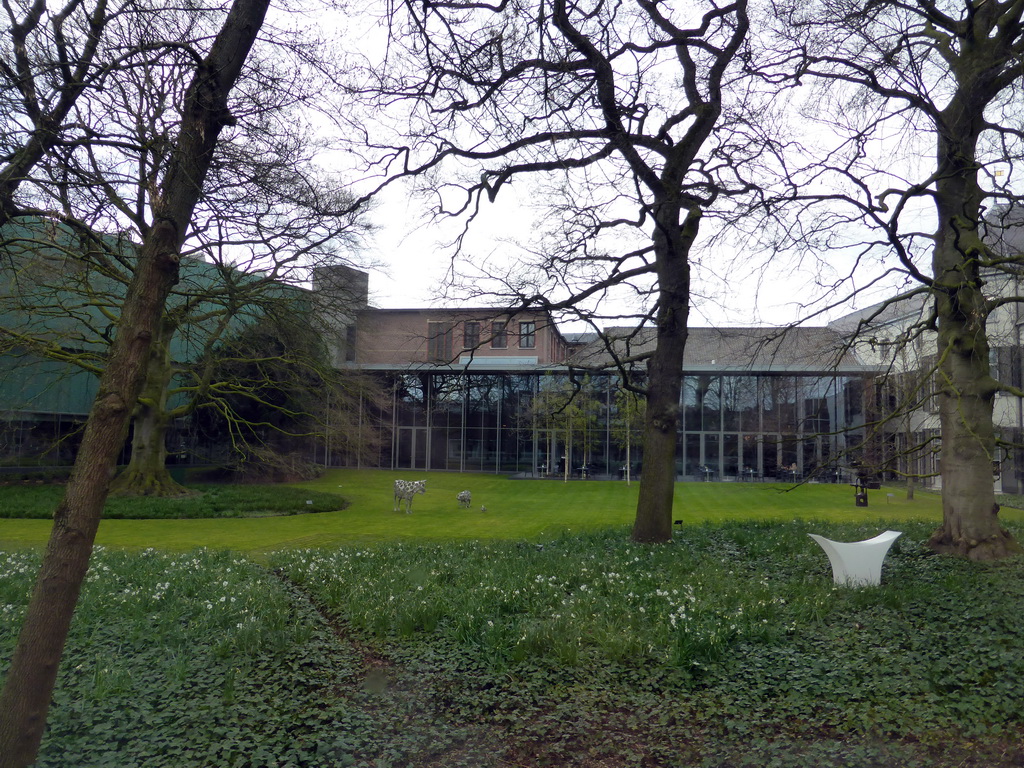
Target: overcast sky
733, 287
415, 259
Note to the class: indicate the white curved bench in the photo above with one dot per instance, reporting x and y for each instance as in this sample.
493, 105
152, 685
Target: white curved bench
857, 563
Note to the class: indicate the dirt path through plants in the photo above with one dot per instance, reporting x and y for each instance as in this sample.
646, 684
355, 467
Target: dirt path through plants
411, 725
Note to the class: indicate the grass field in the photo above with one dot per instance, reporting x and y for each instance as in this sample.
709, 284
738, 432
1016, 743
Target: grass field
532, 634
516, 509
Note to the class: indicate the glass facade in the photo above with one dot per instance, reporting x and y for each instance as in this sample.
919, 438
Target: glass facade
738, 427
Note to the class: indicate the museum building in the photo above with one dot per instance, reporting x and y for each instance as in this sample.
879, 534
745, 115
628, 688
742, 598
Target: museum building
472, 390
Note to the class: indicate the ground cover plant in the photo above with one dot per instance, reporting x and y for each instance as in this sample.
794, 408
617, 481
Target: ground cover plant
729, 647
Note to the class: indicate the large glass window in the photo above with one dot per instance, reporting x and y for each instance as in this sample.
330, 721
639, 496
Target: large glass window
730, 455
711, 403
690, 405
739, 403
853, 396
702, 403
790, 460
819, 399
411, 400
779, 403
446, 403
738, 426
770, 446
712, 457
692, 457
517, 423
751, 463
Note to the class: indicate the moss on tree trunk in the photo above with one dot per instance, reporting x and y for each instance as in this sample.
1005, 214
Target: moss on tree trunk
970, 521
146, 473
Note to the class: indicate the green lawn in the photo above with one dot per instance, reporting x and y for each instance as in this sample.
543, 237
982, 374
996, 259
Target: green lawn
516, 509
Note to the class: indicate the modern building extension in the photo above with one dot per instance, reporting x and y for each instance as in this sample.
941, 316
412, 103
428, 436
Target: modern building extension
479, 389
476, 390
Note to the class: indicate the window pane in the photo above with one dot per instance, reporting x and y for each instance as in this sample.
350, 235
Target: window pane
709, 391
527, 335
711, 455
730, 456
471, 335
499, 336
439, 342
739, 403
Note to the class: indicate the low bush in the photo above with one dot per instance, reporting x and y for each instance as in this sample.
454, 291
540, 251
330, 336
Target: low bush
208, 501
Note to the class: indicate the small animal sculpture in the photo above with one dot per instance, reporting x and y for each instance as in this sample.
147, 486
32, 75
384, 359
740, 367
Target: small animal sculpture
465, 499
405, 490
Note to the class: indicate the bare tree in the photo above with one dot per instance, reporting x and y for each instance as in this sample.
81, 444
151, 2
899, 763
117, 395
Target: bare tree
25, 698
269, 217
898, 75
39, 92
274, 397
637, 118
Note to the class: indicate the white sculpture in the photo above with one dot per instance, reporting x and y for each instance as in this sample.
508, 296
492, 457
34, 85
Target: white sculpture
857, 563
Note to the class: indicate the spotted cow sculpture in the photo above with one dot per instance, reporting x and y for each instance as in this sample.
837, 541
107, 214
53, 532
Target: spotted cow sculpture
405, 490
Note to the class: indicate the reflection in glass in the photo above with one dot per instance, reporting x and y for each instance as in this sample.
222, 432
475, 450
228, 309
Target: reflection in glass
523, 422
739, 404
730, 455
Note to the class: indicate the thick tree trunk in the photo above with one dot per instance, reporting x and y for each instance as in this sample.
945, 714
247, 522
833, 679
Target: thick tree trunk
146, 473
657, 480
28, 687
970, 522
665, 376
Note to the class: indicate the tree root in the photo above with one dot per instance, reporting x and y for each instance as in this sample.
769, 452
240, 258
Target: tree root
995, 547
133, 483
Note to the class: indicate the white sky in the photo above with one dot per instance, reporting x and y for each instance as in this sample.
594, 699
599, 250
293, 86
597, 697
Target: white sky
414, 254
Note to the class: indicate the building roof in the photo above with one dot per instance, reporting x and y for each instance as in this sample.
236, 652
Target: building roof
741, 350
899, 311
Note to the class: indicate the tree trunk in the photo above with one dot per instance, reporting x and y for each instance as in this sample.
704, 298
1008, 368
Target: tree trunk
657, 480
146, 473
665, 377
25, 699
970, 522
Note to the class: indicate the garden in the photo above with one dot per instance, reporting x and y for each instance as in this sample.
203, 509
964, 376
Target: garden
525, 630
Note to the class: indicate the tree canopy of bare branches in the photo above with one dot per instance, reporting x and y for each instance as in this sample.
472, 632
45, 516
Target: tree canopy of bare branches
633, 121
